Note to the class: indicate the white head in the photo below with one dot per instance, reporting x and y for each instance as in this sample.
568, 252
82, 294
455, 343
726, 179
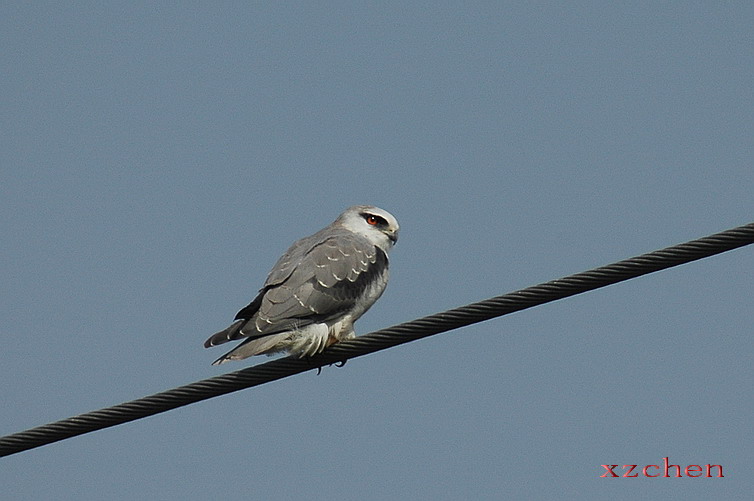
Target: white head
377, 225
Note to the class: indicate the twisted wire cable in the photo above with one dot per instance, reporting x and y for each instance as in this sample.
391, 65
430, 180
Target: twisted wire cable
380, 340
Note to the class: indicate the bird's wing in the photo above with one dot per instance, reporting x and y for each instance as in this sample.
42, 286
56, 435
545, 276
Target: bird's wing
327, 282
280, 272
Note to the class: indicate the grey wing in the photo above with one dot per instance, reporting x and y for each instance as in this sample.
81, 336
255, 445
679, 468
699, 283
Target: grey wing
280, 272
330, 279
292, 258
321, 282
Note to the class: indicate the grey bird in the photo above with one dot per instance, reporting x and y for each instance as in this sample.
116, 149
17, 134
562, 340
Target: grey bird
317, 289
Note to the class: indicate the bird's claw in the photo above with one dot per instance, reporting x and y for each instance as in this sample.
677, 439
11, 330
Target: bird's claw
339, 364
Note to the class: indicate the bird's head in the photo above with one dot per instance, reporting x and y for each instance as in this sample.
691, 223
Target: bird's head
377, 225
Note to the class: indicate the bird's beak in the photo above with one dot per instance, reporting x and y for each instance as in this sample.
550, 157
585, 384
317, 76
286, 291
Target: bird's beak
393, 236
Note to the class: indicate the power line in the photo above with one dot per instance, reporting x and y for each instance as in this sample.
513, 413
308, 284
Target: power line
380, 340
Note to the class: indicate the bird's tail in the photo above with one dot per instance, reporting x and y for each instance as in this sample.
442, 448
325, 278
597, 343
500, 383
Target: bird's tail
230, 333
265, 345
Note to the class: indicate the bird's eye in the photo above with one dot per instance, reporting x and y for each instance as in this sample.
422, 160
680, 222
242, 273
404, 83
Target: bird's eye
373, 220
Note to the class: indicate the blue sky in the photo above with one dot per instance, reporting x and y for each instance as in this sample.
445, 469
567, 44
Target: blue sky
155, 160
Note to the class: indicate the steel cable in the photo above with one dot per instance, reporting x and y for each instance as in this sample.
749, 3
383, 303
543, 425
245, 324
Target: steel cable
380, 340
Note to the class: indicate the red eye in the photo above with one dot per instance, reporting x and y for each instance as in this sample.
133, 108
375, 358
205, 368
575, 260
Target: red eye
372, 220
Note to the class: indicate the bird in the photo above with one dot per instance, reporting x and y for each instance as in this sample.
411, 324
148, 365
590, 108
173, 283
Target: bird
317, 289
